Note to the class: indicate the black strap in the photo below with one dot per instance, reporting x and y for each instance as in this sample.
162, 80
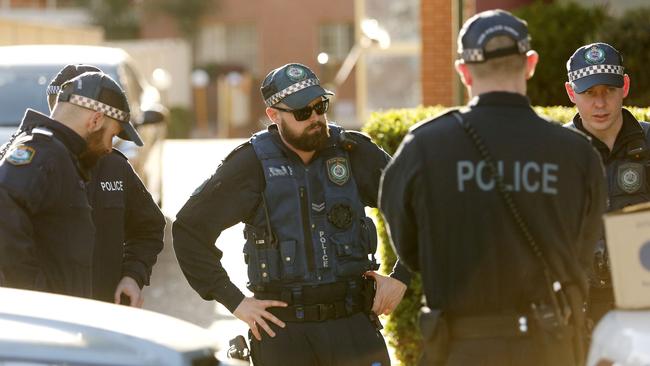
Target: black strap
553, 286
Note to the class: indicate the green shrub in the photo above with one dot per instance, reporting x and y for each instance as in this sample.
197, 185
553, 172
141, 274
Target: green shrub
387, 129
557, 30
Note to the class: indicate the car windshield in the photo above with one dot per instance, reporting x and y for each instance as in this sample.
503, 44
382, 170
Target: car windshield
23, 86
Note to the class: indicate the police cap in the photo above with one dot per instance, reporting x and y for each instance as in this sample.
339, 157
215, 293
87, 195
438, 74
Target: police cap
67, 73
484, 26
293, 84
98, 92
595, 64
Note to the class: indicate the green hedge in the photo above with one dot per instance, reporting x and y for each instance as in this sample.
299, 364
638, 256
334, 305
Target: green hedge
387, 129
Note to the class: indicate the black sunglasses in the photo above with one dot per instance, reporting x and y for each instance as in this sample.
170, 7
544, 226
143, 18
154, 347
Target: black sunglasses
303, 114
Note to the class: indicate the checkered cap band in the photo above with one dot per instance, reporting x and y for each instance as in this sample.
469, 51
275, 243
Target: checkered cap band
293, 88
53, 90
95, 105
478, 55
596, 69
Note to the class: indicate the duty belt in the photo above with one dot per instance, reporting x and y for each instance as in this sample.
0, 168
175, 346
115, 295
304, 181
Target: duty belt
315, 312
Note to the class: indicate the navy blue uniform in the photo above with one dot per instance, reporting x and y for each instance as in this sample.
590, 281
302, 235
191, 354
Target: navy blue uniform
46, 230
627, 184
313, 249
130, 226
448, 221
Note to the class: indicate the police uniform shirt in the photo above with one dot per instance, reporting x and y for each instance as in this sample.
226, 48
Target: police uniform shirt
232, 195
448, 221
46, 230
627, 172
130, 226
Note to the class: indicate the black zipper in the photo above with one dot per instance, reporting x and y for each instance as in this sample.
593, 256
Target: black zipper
309, 247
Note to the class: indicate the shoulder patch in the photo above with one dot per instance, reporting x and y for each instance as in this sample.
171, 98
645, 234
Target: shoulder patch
425, 122
21, 155
119, 153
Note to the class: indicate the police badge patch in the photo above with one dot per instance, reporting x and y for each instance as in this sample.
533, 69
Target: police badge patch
630, 177
295, 73
595, 55
21, 155
338, 170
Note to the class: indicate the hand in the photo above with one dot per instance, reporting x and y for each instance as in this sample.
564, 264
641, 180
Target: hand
388, 295
129, 288
253, 312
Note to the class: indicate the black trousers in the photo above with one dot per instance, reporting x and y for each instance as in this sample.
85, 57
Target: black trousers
352, 341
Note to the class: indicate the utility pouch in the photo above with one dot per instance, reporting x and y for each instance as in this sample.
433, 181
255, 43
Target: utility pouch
435, 337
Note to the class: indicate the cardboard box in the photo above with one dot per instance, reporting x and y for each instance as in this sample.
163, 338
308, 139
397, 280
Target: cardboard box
627, 233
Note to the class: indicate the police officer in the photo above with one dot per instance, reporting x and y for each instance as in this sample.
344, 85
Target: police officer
597, 86
129, 224
300, 187
496, 296
46, 230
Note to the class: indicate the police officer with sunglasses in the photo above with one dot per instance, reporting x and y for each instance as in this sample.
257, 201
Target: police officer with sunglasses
300, 187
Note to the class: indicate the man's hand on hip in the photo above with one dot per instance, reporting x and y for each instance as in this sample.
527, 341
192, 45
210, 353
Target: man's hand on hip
253, 312
389, 293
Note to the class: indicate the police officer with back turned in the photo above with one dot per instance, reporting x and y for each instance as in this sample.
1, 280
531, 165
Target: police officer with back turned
597, 86
499, 209
300, 187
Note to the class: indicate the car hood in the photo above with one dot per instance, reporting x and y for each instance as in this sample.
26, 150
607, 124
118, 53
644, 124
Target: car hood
88, 331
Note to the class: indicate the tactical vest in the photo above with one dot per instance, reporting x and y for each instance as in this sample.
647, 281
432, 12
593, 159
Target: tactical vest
628, 176
311, 227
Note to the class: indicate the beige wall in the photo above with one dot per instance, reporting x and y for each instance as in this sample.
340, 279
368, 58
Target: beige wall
13, 32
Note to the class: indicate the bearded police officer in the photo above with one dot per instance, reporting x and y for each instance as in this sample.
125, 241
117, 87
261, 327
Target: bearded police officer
129, 224
300, 187
46, 230
597, 85
499, 209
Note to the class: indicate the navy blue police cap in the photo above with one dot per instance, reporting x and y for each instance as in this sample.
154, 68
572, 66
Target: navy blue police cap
99, 92
67, 73
293, 84
595, 64
482, 27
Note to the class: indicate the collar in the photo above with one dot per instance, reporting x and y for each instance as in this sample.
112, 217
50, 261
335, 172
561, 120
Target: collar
75, 143
500, 98
630, 130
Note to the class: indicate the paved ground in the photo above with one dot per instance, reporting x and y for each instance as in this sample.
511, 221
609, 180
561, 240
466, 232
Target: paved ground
187, 163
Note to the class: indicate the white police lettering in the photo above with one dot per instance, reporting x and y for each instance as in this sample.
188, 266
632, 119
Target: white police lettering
281, 171
520, 176
323, 246
113, 186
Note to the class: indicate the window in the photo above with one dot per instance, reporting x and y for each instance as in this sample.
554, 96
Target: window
336, 40
229, 44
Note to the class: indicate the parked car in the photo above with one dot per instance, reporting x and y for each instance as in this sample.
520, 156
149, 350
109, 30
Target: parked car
25, 72
39, 329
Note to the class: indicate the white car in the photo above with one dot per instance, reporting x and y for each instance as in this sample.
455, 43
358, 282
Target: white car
622, 338
26, 71
38, 329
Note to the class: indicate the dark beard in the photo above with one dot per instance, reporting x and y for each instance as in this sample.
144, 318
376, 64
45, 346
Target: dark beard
307, 141
94, 150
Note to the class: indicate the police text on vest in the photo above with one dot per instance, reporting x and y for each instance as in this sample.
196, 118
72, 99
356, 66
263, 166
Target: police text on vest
520, 176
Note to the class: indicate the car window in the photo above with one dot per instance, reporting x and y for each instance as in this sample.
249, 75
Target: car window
23, 86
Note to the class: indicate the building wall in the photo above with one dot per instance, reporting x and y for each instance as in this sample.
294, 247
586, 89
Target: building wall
437, 52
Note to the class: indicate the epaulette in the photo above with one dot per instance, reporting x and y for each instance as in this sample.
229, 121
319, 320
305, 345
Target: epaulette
119, 153
241, 146
348, 140
572, 127
425, 122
